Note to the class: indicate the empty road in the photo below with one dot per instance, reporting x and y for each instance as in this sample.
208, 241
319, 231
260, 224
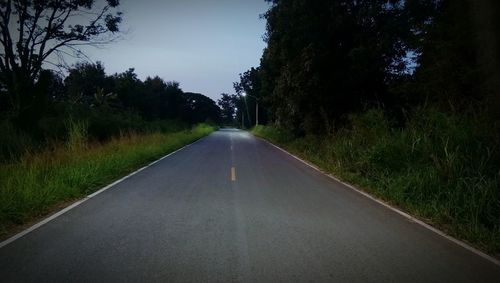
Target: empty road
232, 208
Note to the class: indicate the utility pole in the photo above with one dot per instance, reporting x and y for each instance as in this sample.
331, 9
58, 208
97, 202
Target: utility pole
244, 94
256, 112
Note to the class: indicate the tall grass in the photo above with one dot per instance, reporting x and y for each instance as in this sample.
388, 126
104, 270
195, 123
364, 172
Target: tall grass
32, 185
77, 135
444, 168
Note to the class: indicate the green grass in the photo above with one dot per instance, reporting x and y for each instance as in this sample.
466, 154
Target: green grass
443, 168
36, 183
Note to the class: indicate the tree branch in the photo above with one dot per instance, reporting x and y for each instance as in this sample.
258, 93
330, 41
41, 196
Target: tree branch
27, 52
77, 37
22, 10
48, 34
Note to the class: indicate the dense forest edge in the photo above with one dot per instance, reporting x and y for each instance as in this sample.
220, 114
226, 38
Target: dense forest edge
400, 98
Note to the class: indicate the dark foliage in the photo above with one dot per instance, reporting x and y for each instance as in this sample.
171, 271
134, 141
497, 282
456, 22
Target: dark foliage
200, 109
329, 58
109, 106
227, 104
32, 32
400, 97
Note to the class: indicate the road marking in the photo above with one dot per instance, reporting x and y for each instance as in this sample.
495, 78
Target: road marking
400, 212
77, 203
233, 174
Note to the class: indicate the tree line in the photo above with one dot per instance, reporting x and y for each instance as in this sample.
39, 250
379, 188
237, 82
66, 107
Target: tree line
109, 103
41, 93
327, 59
400, 97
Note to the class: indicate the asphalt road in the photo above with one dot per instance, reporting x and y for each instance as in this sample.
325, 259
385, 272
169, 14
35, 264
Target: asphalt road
234, 208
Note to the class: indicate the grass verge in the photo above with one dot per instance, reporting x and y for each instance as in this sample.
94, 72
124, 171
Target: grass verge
38, 182
442, 168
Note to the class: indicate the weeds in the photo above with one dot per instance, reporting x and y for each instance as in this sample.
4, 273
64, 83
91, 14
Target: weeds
77, 135
441, 167
32, 185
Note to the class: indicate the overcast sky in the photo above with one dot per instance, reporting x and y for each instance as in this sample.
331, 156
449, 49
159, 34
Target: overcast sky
203, 44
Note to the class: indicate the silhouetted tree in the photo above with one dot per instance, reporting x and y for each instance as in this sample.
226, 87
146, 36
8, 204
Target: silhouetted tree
227, 104
84, 80
460, 61
129, 89
172, 101
325, 59
34, 32
250, 83
200, 108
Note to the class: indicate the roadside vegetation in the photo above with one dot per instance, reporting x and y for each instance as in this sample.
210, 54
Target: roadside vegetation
82, 135
443, 168
67, 129
37, 182
400, 98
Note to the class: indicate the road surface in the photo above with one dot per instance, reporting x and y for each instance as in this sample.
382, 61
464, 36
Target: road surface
233, 208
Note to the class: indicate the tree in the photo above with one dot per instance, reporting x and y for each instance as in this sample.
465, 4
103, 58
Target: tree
150, 104
200, 108
227, 104
460, 64
34, 31
128, 88
172, 102
160, 99
326, 59
79, 89
250, 83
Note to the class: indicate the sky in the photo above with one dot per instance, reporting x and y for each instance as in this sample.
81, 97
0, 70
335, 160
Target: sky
202, 44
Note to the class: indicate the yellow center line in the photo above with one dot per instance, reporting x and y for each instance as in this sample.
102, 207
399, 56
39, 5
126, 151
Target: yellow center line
233, 174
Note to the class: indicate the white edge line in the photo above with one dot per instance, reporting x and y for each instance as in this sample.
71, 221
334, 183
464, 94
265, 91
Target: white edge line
77, 203
404, 214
